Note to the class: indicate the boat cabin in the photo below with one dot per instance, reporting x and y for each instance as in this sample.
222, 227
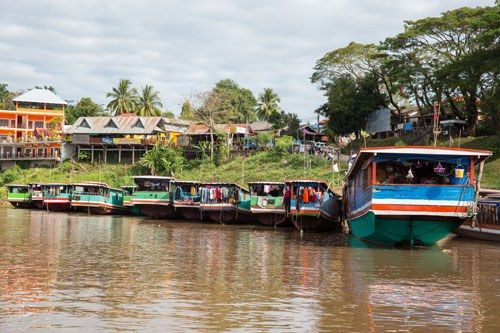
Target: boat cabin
379, 176
18, 195
56, 190
186, 192
152, 183
307, 196
267, 195
219, 193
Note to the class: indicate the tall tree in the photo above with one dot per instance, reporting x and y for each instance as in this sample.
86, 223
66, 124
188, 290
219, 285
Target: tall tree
85, 107
187, 111
241, 101
268, 104
124, 98
212, 106
149, 102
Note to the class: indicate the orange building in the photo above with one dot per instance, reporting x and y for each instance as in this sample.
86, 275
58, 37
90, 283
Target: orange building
32, 132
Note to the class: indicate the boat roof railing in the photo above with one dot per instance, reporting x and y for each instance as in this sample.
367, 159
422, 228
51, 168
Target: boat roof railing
17, 185
153, 177
186, 182
97, 184
266, 183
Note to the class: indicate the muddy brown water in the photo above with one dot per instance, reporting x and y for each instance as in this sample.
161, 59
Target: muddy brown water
75, 272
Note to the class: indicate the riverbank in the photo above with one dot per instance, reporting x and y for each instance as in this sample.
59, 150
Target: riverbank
266, 165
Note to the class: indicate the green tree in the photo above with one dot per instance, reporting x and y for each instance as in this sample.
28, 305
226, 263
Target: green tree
349, 103
268, 104
124, 98
163, 160
85, 107
187, 111
149, 102
168, 114
292, 124
283, 144
6, 97
241, 102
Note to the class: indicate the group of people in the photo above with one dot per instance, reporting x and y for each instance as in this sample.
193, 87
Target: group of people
308, 194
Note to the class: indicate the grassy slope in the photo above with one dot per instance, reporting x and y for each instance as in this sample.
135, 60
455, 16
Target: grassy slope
260, 166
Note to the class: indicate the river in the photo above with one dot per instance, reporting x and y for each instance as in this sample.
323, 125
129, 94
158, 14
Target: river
86, 273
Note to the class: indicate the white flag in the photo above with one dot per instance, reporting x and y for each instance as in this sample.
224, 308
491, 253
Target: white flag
335, 167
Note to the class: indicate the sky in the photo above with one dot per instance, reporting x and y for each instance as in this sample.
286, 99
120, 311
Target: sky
83, 48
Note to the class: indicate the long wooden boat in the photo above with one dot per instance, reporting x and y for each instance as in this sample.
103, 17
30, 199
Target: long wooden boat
186, 199
97, 198
410, 195
486, 225
314, 206
153, 196
224, 202
57, 196
19, 195
128, 191
267, 202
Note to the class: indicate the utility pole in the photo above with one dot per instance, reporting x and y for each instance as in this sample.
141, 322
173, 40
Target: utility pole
435, 129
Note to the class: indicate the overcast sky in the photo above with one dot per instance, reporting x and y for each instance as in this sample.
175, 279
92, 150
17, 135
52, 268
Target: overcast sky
83, 48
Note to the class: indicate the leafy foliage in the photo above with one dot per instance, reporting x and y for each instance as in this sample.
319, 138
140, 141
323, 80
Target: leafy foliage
187, 111
163, 160
240, 102
124, 98
283, 144
85, 107
268, 104
149, 102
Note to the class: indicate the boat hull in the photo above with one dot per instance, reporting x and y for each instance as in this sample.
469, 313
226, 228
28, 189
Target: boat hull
483, 233
270, 218
220, 213
403, 230
156, 211
21, 204
311, 223
190, 213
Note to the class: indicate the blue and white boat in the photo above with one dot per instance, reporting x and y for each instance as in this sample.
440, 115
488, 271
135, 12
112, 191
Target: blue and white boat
410, 195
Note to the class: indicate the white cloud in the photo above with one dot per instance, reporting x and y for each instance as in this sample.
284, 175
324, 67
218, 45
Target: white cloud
83, 47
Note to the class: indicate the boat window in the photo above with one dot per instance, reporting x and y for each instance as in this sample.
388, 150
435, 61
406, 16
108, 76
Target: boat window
19, 190
419, 172
152, 185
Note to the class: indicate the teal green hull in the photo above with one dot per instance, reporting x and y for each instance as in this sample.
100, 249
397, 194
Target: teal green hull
423, 231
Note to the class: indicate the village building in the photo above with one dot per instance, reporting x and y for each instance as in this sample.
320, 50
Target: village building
32, 132
124, 138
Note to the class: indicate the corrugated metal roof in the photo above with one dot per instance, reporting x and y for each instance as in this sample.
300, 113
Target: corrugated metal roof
40, 96
124, 125
261, 126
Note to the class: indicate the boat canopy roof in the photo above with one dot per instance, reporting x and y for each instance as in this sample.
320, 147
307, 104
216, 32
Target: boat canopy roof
56, 184
402, 153
305, 181
153, 177
97, 184
187, 182
266, 183
17, 185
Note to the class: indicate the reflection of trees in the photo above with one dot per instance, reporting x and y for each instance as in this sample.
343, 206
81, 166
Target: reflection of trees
131, 272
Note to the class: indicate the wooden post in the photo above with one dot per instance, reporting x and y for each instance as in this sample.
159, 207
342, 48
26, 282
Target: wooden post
133, 154
471, 171
374, 173
119, 154
92, 155
105, 153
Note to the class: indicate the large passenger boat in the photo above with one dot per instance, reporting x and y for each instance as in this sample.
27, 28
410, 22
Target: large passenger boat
314, 206
19, 195
57, 196
36, 195
97, 198
153, 196
128, 191
268, 202
410, 195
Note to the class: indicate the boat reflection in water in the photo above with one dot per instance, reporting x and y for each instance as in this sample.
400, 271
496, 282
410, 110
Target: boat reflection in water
95, 273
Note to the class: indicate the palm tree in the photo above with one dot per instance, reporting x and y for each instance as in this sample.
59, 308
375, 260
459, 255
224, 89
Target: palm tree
267, 103
149, 103
124, 98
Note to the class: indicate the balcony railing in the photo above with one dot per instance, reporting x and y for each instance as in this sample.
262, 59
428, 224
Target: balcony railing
30, 140
22, 156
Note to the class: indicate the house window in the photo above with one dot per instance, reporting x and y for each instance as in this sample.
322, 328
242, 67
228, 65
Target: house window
111, 124
84, 123
38, 124
4, 122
